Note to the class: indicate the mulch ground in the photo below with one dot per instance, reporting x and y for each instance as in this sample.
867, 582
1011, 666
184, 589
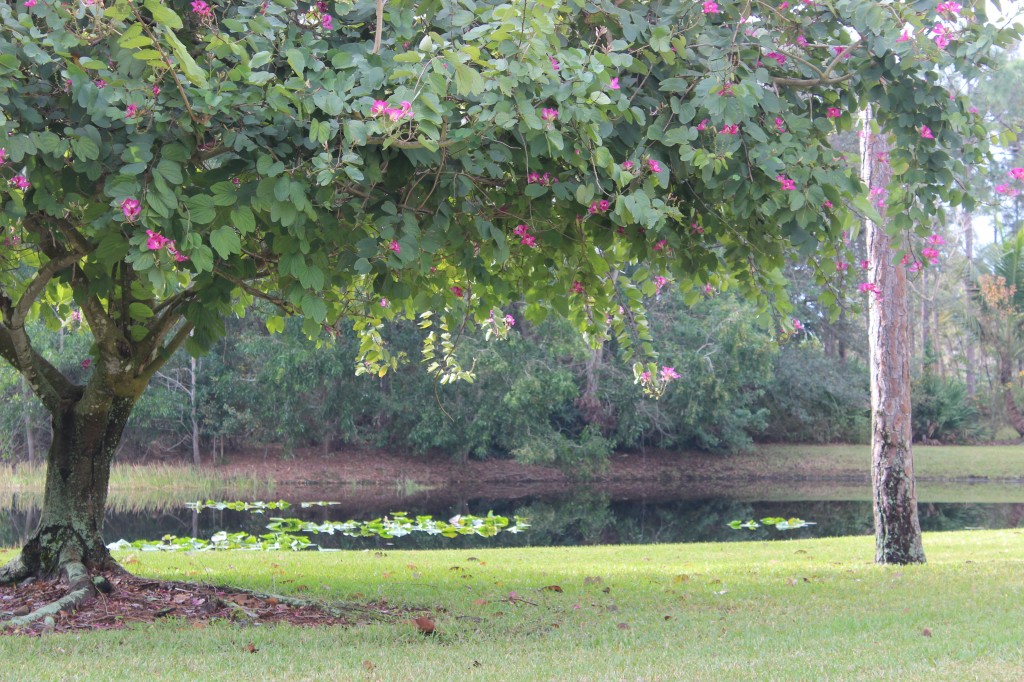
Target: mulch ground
135, 600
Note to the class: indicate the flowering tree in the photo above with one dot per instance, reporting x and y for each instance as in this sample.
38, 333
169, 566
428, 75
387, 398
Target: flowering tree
167, 162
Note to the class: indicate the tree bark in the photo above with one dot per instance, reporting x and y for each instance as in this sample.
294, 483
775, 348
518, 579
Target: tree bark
897, 527
86, 434
1013, 412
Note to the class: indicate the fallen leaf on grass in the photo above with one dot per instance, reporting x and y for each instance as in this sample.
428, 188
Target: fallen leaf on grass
681, 579
368, 665
592, 580
250, 647
927, 632
479, 602
551, 588
425, 625
623, 626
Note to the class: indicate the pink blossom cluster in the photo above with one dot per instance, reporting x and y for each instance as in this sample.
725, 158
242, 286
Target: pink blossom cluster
382, 108
710, 7
951, 7
834, 112
525, 238
941, 35
777, 56
780, 125
538, 179
666, 374
601, 206
157, 241
870, 287
661, 244
131, 111
21, 182
577, 287
1015, 173
785, 182
3, 156
131, 208
202, 9
703, 125
730, 129
659, 283
878, 194
842, 266
548, 114
395, 246
458, 291
653, 166
926, 133
798, 326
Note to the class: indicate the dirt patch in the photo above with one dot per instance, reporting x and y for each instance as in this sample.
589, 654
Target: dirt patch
135, 600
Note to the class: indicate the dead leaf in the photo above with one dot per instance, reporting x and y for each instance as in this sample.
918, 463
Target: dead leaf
791, 581
607, 590
425, 625
552, 588
180, 598
927, 632
668, 617
681, 579
623, 626
592, 580
368, 665
250, 647
479, 602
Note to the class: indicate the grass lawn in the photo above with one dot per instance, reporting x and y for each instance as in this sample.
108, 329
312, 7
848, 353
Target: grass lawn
808, 610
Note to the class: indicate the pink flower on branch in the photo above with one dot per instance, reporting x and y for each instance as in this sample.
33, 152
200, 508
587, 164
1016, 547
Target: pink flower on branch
786, 183
710, 7
834, 112
202, 9
21, 182
926, 133
1016, 173
668, 374
395, 246
131, 208
548, 114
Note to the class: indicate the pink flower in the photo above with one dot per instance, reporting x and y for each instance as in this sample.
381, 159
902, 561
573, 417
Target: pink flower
783, 5
660, 245
926, 133
654, 166
130, 111
395, 246
30, 3
174, 252
834, 112
201, 8
548, 114
1017, 173
935, 240
941, 36
131, 208
710, 7
3, 155
604, 205
702, 125
327, 22
797, 325
801, 41
156, 241
841, 266
384, 303
777, 56
379, 107
931, 254
614, 84
868, 287
668, 374
785, 182
20, 181
905, 36
659, 283
864, 265
841, 51
86, 363
727, 129
554, 63
827, 204
510, 321
528, 240
1006, 189
916, 266
780, 125
627, 165
951, 7
521, 230
156, 90
457, 290
577, 287
100, 83
645, 377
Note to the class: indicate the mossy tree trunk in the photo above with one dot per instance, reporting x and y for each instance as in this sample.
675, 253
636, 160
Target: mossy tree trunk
86, 434
897, 527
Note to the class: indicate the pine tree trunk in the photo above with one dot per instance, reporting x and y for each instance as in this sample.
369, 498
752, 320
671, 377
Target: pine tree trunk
86, 434
1013, 413
897, 527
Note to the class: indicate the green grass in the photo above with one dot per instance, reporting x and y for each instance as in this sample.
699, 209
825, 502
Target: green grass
140, 487
945, 462
796, 610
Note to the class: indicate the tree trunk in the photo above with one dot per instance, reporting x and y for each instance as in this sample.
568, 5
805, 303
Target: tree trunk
86, 434
969, 338
897, 528
1013, 413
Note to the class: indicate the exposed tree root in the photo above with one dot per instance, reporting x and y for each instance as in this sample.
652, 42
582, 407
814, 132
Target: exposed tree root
80, 590
14, 571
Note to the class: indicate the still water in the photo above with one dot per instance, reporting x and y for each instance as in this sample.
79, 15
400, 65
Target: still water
576, 518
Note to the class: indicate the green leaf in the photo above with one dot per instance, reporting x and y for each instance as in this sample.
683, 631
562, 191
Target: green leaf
468, 80
193, 73
226, 242
162, 14
202, 258
200, 209
243, 219
297, 60
139, 311
275, 324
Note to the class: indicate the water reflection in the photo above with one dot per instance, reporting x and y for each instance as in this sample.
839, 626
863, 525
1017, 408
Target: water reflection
580, 518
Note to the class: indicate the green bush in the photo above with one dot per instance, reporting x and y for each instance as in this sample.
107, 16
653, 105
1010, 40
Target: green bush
942, 410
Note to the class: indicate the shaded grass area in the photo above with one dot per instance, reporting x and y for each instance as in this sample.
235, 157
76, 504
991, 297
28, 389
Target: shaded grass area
810, 609
140, 487
946, 462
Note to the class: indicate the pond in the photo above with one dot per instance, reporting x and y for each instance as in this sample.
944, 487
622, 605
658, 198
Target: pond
579, 517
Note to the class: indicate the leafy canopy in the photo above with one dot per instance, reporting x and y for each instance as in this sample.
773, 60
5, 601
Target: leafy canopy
168, 160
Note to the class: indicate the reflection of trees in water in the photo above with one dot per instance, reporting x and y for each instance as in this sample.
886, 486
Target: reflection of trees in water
582, 518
